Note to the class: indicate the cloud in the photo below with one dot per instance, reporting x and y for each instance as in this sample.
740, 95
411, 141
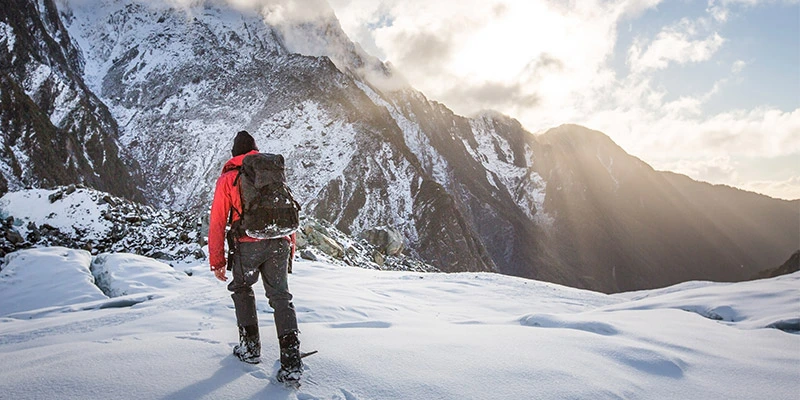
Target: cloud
474, 55
674, 44
502, 95
788, 189
423, 48
661, 136
738, 66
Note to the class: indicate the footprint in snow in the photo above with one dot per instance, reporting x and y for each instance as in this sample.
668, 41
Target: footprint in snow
205, 325
260, 374
108, 341
364, 324
198, 339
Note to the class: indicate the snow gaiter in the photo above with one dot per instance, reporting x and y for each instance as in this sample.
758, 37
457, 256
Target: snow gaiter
290, 353
249, 347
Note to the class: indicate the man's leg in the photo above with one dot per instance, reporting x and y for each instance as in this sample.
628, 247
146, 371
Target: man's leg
245, 274
276, 284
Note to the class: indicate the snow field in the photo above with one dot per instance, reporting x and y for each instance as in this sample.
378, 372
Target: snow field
41, 278
393, 335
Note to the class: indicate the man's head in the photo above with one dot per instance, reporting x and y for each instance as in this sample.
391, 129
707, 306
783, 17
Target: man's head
243, 143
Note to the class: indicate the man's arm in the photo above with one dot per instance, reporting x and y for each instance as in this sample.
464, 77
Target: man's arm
220, 208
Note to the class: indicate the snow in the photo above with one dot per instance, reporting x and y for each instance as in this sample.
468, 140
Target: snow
67, 99
394, 206
122, 274
66, 102
86, 218
307, 135
415, 139
7, 35
76, 212
731, 304
35, 76
609, 167
388, 335
22, 158
46, 277
524, 184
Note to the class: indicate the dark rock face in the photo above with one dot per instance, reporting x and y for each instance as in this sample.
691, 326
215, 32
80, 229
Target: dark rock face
55, 131
790, 266
446, 234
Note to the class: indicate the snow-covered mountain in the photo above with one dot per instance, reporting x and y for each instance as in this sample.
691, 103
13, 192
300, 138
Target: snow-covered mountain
365, 150
73, 326
54, 129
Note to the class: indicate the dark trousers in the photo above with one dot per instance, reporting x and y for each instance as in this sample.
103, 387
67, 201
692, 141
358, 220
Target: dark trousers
270, 259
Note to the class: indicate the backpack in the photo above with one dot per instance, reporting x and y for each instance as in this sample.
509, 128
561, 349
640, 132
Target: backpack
269, 211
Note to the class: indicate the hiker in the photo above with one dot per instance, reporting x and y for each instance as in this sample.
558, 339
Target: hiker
249, 257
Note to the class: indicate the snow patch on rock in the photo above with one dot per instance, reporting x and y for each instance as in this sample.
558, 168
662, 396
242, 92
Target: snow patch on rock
522, 183
7, 36
85, 218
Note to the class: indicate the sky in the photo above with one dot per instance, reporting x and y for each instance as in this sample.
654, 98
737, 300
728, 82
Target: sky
708, 89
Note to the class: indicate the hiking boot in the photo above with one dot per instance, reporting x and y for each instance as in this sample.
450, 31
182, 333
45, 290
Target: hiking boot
249, 347
291, 363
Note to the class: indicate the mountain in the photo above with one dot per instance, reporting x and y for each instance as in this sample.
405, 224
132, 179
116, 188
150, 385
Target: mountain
791, 265
118, 325
54, 130
184, 81
365, 150
632, 226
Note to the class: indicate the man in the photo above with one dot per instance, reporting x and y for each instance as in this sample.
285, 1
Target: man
248, 258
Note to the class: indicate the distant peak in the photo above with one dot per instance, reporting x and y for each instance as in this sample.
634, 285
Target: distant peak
576, 134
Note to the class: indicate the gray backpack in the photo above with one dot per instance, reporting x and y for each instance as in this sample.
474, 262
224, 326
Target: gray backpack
269, 210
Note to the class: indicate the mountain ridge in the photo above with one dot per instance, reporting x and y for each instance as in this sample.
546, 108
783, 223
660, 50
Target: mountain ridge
363, 149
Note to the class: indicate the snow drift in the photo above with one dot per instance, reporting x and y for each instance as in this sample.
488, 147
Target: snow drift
385, 334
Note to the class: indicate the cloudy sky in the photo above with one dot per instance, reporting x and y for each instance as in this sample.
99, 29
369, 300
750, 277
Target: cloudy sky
710, 89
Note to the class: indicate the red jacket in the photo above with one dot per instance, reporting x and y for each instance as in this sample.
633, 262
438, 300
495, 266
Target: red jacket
226, 196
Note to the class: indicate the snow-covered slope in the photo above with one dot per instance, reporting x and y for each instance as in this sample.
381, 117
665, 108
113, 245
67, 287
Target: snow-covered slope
53, 129
80, 217
401, 335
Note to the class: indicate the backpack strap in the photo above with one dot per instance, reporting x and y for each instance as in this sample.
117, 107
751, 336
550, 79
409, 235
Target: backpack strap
238, 175
230, 215
233, 209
